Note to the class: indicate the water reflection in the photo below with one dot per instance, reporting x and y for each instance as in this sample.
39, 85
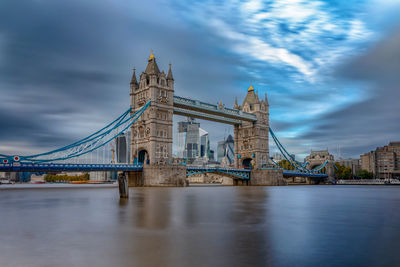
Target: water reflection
201, 226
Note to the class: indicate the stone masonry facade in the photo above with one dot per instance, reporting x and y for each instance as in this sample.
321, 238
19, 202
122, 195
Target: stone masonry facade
251, 139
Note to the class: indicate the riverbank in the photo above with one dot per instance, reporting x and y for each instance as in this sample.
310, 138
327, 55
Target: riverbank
55, 185
369, 182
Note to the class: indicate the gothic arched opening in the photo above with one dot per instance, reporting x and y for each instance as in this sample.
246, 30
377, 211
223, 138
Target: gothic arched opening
142, 156
246, 163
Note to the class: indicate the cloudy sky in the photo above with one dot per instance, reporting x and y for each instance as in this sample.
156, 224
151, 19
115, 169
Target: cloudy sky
330, 68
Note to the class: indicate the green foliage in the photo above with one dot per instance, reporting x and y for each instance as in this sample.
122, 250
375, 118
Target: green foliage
286, 164
343, 172
363, 174
52, 178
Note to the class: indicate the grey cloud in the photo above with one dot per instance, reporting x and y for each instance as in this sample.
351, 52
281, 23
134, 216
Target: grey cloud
372, 122
75, 59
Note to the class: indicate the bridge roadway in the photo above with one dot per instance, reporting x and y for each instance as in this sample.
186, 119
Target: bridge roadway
57, 167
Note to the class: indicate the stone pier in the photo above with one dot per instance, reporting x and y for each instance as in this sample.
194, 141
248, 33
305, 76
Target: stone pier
267, 177
159, 175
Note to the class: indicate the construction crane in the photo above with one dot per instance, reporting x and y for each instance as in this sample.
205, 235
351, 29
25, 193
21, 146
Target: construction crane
112, 149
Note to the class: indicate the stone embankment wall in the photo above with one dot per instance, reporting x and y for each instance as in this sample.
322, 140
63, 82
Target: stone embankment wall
211, 178
370, 182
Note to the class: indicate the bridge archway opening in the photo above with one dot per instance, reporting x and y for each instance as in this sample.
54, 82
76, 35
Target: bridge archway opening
323, 170
246, 163
142, 156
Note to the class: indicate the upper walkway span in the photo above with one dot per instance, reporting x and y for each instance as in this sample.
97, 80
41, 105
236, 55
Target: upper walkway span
201, 110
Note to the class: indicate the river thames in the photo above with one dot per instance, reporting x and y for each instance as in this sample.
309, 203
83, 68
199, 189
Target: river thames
201, 226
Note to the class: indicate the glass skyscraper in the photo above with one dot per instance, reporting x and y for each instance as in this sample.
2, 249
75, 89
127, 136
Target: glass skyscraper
193, 142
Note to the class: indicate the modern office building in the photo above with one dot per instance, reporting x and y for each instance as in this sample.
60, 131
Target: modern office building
204, 144
212, 157
193, 142
122, 149
226, 149
384, 162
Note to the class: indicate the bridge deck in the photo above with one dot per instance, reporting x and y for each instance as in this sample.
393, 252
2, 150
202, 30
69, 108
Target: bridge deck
55, 167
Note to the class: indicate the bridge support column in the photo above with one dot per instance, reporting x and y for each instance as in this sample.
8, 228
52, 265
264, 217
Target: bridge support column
267, 177
159, 175
123, 185
240, 182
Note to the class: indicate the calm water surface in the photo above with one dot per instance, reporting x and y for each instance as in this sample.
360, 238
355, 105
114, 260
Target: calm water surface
201, 226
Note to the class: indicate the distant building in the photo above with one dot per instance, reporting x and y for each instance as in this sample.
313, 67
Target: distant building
354, 164
277, 157
226, 149
122, 148
212, 157
384, 162
318, 157
204, 144
367, 162
193, 142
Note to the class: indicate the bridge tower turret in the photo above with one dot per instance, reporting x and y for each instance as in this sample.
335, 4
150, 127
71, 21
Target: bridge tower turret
251, 138
134, 85
151, 135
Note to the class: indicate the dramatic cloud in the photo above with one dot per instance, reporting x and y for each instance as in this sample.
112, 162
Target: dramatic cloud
65, 66
375, 121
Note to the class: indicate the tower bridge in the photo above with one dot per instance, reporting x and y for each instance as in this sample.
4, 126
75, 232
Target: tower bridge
152, 134
150, 120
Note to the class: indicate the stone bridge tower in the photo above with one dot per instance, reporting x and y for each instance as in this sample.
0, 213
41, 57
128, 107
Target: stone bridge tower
251, 139
151, 135
316, 158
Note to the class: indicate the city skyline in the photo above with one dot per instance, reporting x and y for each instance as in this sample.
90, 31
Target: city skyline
329, 70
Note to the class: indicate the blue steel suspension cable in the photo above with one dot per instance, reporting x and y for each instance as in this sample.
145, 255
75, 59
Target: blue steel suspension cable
302, 166
281, 147
123, 115
101, 136
286, 154
139, 113
277, 164
320, 167
277, 140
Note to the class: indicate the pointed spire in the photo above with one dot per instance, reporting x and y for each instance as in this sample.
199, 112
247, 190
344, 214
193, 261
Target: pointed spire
236, 106
251, 97
266, 98
152, 67
151, 55
169, 76
251, 88
133, 80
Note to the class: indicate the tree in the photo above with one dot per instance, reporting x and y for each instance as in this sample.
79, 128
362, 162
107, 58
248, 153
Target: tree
343, 172
285, 164
364, 174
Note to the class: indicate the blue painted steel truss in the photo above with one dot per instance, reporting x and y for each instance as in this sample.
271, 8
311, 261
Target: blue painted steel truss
237, 173
302, 174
